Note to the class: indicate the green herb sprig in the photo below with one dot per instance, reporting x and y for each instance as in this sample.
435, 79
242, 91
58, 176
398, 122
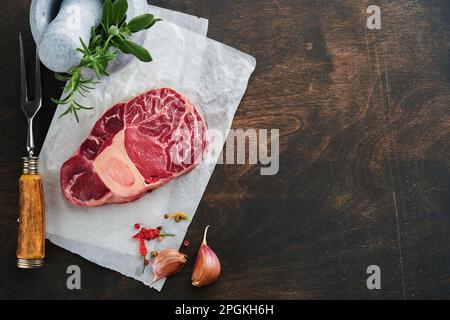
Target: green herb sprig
110, 37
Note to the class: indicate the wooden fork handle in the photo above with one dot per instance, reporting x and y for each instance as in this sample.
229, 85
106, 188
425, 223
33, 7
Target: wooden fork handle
31, 241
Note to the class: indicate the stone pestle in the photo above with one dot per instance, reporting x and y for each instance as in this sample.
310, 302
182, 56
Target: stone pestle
60, 40
58, 25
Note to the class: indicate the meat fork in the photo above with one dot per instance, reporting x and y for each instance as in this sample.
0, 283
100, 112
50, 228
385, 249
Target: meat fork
31, 242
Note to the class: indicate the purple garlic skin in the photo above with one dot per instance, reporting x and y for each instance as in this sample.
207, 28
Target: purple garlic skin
207, 265
167, 263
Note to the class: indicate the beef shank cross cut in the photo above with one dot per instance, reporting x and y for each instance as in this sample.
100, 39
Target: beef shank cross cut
135, 147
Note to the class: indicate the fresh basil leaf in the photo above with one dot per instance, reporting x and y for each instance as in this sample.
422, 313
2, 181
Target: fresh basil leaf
153, 22
129, 47
139, 52
123, 25
119, 11
121, 45
125, 32
107, 13
140, 22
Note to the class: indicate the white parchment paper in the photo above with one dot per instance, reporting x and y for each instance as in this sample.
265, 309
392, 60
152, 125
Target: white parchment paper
193, 23
214, 77
187, 21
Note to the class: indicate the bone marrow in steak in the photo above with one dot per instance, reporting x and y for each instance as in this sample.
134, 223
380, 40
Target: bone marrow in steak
135, 147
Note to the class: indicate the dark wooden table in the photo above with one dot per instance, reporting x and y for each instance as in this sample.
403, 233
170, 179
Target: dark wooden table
364, 165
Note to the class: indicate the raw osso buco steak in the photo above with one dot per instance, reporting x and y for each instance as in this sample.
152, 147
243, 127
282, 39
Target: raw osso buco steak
135, 147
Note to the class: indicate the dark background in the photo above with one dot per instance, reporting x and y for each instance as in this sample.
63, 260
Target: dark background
364, 165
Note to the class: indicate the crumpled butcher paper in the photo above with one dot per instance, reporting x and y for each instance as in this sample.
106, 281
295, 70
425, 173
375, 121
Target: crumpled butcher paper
210, 74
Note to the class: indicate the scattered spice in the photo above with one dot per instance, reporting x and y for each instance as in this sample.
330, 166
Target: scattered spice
177, 216
148, 234
142, 248
143, 251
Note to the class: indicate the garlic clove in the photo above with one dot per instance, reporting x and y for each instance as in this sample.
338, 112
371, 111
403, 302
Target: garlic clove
167, 263
207, 266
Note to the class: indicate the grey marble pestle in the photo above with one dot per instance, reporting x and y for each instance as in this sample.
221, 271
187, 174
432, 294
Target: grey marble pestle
61, 38
57, 26
42, 12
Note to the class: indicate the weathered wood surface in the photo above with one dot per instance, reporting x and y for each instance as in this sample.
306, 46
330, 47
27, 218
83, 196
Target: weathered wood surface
31, 238
364, 168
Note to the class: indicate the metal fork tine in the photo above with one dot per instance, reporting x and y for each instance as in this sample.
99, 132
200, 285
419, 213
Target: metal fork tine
38, 91
23, 74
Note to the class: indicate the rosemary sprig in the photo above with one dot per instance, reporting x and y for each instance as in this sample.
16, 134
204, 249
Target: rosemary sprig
110, 37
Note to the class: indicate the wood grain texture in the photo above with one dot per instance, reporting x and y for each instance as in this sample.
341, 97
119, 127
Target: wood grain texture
364, 175
31, 239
